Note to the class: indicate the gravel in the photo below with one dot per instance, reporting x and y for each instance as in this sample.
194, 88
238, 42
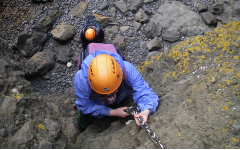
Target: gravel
15, 17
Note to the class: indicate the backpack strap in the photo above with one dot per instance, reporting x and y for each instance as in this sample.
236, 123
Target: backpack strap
96, 46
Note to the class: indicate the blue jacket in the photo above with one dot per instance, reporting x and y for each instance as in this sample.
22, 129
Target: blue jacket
143, 95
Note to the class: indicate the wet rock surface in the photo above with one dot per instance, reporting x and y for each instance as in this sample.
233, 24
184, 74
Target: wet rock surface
196, 78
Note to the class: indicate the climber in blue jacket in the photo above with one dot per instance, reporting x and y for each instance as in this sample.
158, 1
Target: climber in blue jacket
105, 79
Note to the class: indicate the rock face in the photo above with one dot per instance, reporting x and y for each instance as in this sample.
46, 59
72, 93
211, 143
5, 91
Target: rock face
195, 82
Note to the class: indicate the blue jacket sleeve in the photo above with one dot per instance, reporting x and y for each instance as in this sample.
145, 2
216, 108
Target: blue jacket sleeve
143, 95
82, 90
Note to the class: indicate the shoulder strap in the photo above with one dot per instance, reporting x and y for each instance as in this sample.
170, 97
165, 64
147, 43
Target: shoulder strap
96, 46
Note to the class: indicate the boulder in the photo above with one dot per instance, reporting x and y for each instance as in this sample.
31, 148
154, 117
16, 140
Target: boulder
28, 43
122, 6
136, 25
4, 48
217, 8
124, 28
208, 18
151, 30
112, 11
135, 5
63, 32
148, 1
46, 21
202, 7
176, 15
141, 17
39, 64
119, 42
154, 44
64, 52
111, 30
104, 5
171, 36
78, 10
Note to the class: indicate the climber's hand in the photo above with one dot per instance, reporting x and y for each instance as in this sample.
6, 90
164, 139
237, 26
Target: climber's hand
119, 112
144, 114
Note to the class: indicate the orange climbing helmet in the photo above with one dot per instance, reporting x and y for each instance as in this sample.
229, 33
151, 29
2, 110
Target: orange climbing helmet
104, 74
90, 34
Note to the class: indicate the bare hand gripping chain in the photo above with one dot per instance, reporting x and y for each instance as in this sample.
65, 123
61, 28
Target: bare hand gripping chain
151, 133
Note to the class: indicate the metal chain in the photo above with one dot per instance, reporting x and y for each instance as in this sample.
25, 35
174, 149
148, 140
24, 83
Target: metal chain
155, 139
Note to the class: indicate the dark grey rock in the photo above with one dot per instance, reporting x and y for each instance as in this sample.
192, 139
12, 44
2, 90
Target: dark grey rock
150, 30
154, 44
136, 25
208, 18
119, 42
112, 11
148, 1
122, 6
148, 11
104, 5
46, 21
217, 8
4, 48
202, 7
124, 28
141, 16
176, 15
28, 43
36, 13
64, 52
111, 30
171, 36
39, 64
78, 10
135, 5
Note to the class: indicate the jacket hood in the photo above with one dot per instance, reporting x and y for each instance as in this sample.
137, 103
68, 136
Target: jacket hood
88, 59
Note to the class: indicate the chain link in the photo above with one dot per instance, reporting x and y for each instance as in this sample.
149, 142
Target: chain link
155, 139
